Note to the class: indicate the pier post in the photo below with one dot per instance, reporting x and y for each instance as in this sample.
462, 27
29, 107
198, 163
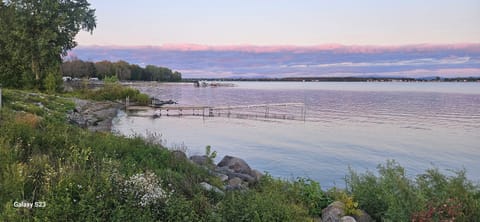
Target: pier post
210, 111
304, 112
266, 111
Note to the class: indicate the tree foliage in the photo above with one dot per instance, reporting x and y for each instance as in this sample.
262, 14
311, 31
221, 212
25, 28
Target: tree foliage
35, 34
122, 70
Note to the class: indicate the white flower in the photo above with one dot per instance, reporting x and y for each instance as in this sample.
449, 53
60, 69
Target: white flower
146, 188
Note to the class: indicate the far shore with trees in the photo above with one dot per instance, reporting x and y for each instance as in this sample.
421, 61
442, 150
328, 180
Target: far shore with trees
76, 68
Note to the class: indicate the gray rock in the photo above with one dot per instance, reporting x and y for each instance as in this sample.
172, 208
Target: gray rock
201, 160
224, 170
347, 219
236, 164
221, 176
209, 187
363, 217
179, 155
96, 116
244, 177
333, 212
235, 184
235, 181
256, 174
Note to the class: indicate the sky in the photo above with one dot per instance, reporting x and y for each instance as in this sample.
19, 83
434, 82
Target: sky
283, 22
282, 38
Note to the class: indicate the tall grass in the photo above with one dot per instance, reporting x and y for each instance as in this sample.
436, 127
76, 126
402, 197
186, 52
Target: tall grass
112, 91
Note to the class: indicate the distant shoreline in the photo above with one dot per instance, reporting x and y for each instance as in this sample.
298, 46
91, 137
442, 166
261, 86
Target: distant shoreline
342, 79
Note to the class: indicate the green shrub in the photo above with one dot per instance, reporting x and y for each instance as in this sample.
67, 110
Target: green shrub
432, 196
447, 198
390, 196
309, 193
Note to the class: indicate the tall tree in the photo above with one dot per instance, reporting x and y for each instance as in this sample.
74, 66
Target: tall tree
36, 34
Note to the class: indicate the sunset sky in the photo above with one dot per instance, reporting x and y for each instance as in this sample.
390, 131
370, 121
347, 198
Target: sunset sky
281, 38
284, 22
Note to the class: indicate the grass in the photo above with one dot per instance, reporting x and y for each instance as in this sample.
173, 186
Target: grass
87, 176
112, 91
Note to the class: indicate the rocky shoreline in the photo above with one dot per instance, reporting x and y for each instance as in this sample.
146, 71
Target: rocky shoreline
95, 116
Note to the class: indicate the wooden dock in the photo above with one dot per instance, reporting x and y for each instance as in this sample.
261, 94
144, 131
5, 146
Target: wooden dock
291, 111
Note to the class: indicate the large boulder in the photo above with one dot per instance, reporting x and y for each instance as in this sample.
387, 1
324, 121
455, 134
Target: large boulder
333, 212
235, 164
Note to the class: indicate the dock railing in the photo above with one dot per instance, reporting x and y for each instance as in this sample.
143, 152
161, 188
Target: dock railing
291, 111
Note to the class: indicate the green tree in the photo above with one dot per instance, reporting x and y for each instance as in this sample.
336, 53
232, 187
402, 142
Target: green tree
35, 34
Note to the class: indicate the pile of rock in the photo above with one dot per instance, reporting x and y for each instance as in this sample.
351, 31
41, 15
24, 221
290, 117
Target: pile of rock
233, 171
237, 175
335, 213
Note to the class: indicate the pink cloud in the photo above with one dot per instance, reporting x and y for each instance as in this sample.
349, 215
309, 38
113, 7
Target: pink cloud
364, 49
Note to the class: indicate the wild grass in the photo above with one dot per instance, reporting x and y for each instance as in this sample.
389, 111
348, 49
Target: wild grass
112, 91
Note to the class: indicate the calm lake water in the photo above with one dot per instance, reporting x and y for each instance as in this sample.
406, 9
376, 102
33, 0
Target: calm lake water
356, 124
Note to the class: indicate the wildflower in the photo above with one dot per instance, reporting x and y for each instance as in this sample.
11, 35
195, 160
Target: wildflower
146, 188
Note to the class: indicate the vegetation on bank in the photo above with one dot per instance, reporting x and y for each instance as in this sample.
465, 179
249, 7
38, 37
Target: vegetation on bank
112, 90
81, 175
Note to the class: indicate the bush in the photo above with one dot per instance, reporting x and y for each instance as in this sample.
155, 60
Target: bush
447, 198
309, 193
391, 196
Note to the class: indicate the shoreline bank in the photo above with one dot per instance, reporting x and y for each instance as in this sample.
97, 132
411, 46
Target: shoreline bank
95, 116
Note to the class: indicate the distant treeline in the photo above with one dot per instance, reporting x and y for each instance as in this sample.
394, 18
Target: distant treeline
345, 79
76, 68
